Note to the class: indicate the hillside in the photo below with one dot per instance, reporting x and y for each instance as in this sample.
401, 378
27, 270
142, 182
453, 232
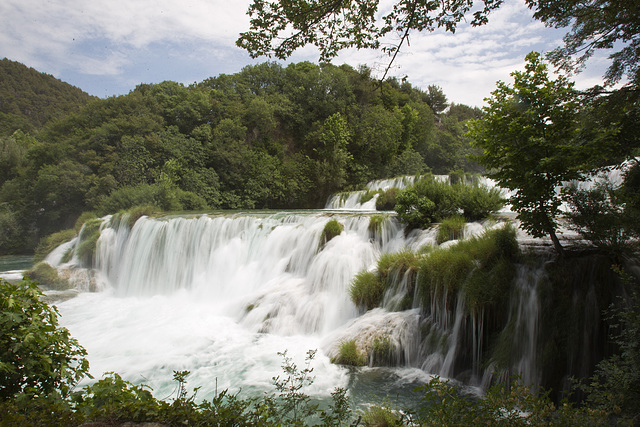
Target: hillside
268, 137
29, 99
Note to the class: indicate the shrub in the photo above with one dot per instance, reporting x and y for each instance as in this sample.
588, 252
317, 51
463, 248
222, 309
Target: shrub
366, 290
378, 416
48, 277
516, 405
331, 229
430, 201
113, 400
52, 241
162, 195
478, 202
483, 267
349, 355
386, 201
451, 229
37, 357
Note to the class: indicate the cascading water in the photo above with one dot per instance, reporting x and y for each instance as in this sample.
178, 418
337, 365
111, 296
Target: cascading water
221, 294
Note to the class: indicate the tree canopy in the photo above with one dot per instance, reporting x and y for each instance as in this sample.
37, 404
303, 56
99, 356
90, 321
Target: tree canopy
279, 27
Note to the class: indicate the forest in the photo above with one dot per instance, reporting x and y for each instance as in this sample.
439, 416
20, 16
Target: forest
268, 137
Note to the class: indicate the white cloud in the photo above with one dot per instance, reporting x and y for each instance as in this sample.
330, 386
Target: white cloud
120, 43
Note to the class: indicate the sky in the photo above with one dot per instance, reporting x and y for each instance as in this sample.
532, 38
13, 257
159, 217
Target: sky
107, 48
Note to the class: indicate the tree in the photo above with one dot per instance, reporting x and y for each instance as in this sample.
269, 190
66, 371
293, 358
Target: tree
279, 27
595, 24
436, 99
37, 356
527, 136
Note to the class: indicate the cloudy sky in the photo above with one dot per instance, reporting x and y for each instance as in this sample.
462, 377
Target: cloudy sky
107, 48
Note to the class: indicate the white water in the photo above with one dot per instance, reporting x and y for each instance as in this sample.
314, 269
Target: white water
221, 295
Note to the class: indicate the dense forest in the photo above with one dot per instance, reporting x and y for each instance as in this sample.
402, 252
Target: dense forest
268, 137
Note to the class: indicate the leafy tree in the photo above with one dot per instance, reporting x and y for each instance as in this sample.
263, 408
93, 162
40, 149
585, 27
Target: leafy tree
527, 136
436, 99
333, 154
280, 27
37, 357
595, 24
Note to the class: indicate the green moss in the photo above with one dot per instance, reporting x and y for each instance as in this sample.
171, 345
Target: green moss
331, 229
366, 290
398, 262
349, 355
489, 287
48, 277
84, 217
49, 243
375, 223
443, 271
88, 238
368, 195
451, 228
483, 267
381, 350
137, 212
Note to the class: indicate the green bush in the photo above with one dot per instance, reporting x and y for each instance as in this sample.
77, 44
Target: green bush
378, 416
366, 290
515, 405
52, 241
37, 357
48, 277
349, 355
386, 201
451, 229
331, 229
162, 195
478, 202
113, 400
430, 201
137, 212
443, 271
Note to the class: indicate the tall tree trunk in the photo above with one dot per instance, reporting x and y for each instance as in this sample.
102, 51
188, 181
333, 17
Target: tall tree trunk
556, 243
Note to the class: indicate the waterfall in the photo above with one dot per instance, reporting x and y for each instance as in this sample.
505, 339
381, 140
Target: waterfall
221, 294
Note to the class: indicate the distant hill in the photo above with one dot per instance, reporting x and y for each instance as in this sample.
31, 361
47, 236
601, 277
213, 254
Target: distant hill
29, 98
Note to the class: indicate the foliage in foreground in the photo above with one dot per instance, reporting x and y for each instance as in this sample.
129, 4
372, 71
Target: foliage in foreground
37, 357
35, 387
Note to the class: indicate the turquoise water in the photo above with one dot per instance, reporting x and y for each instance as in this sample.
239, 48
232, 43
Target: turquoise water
15, 262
